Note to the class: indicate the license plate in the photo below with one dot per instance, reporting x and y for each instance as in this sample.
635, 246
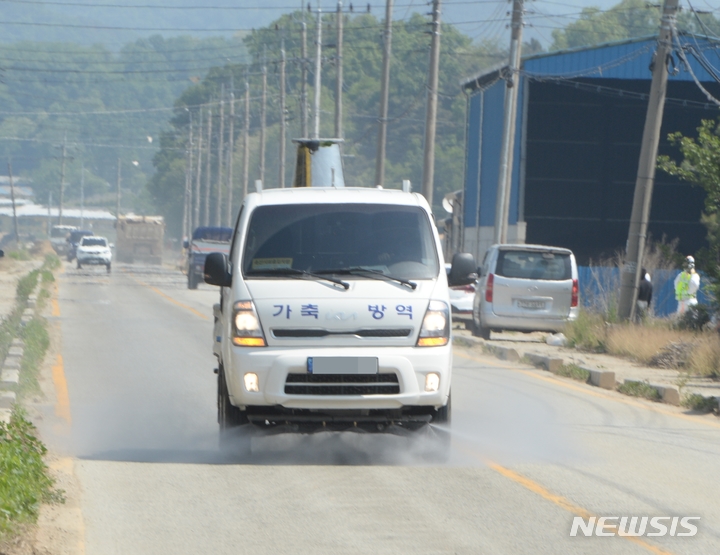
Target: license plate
342, 365
531, 305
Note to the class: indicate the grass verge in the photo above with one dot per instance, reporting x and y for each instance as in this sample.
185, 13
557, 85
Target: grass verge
24, 479
698, 403
574, 371
639, 389
37, 340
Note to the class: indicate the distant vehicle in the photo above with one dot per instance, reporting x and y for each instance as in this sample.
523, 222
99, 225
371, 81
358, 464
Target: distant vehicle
73, 241
140, 239
58, 237
204, 241
94, 250
525, 288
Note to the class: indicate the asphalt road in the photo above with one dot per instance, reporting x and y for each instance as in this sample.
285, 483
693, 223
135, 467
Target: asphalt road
530, 451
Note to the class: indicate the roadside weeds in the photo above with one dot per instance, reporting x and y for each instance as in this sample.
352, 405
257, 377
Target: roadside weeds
25, 481
600, 378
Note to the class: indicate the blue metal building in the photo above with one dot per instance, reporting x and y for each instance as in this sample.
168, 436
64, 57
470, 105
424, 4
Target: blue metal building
579, 127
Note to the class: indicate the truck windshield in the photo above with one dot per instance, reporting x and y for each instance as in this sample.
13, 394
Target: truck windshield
328, 238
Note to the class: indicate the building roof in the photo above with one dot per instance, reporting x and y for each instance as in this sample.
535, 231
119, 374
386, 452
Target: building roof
626, 59
36, 210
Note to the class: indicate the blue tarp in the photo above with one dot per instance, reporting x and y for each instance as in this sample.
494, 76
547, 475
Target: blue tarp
600, 285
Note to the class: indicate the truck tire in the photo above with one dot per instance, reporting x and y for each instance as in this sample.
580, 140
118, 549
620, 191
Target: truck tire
109, 266
79, 266
231, 421
192, 279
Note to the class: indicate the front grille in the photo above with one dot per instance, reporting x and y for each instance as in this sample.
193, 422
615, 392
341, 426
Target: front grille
342, 384
381, 332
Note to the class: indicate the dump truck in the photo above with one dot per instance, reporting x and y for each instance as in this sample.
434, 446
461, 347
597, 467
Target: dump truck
140, 239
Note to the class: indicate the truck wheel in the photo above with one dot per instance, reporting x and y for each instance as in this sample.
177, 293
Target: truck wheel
231, 420
79, 266
192, 280
108, 267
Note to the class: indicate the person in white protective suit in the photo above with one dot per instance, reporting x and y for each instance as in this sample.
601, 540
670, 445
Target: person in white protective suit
687, 284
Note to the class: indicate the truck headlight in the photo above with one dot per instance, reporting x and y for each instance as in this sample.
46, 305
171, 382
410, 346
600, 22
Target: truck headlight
435, 330
246, 330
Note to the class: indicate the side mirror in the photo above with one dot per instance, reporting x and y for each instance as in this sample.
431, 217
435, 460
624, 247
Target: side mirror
186, 244
462, 271
217, 270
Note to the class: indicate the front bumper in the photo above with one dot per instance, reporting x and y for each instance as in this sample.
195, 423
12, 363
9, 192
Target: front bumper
525, 323
273, 365
94, 259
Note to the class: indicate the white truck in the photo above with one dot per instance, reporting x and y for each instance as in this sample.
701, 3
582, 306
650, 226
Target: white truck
334, 314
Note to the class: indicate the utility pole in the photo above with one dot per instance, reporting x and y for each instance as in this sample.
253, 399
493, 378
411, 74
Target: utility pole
283, 122
263, 107
187, 210
318, 73
208, 170
642, 199
12, 197
507, 146
303, 84
231, 155
431, 113
196, 215
82, 196
119, 179
221, 148
339, 78
246, 139
62, 178
384, 94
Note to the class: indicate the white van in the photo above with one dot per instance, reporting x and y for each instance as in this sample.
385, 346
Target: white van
334, 313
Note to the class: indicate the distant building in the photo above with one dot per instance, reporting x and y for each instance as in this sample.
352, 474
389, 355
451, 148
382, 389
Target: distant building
22, 186
580, 122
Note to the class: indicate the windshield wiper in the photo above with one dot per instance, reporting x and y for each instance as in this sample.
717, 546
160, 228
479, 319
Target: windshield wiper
299, 273
370, 272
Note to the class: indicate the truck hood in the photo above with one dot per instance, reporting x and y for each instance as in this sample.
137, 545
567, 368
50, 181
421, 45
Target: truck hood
304, 312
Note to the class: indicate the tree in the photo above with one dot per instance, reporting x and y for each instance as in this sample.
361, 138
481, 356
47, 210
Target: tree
362, 62
700, 165
628, 19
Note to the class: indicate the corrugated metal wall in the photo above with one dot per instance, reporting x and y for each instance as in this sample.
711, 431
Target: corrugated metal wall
580, 140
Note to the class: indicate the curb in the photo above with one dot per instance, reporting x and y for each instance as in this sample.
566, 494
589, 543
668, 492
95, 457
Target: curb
668, 393
551, 364
599, 378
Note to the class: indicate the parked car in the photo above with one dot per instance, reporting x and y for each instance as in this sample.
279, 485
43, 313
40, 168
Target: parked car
94, 250
73, 241
525, 288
